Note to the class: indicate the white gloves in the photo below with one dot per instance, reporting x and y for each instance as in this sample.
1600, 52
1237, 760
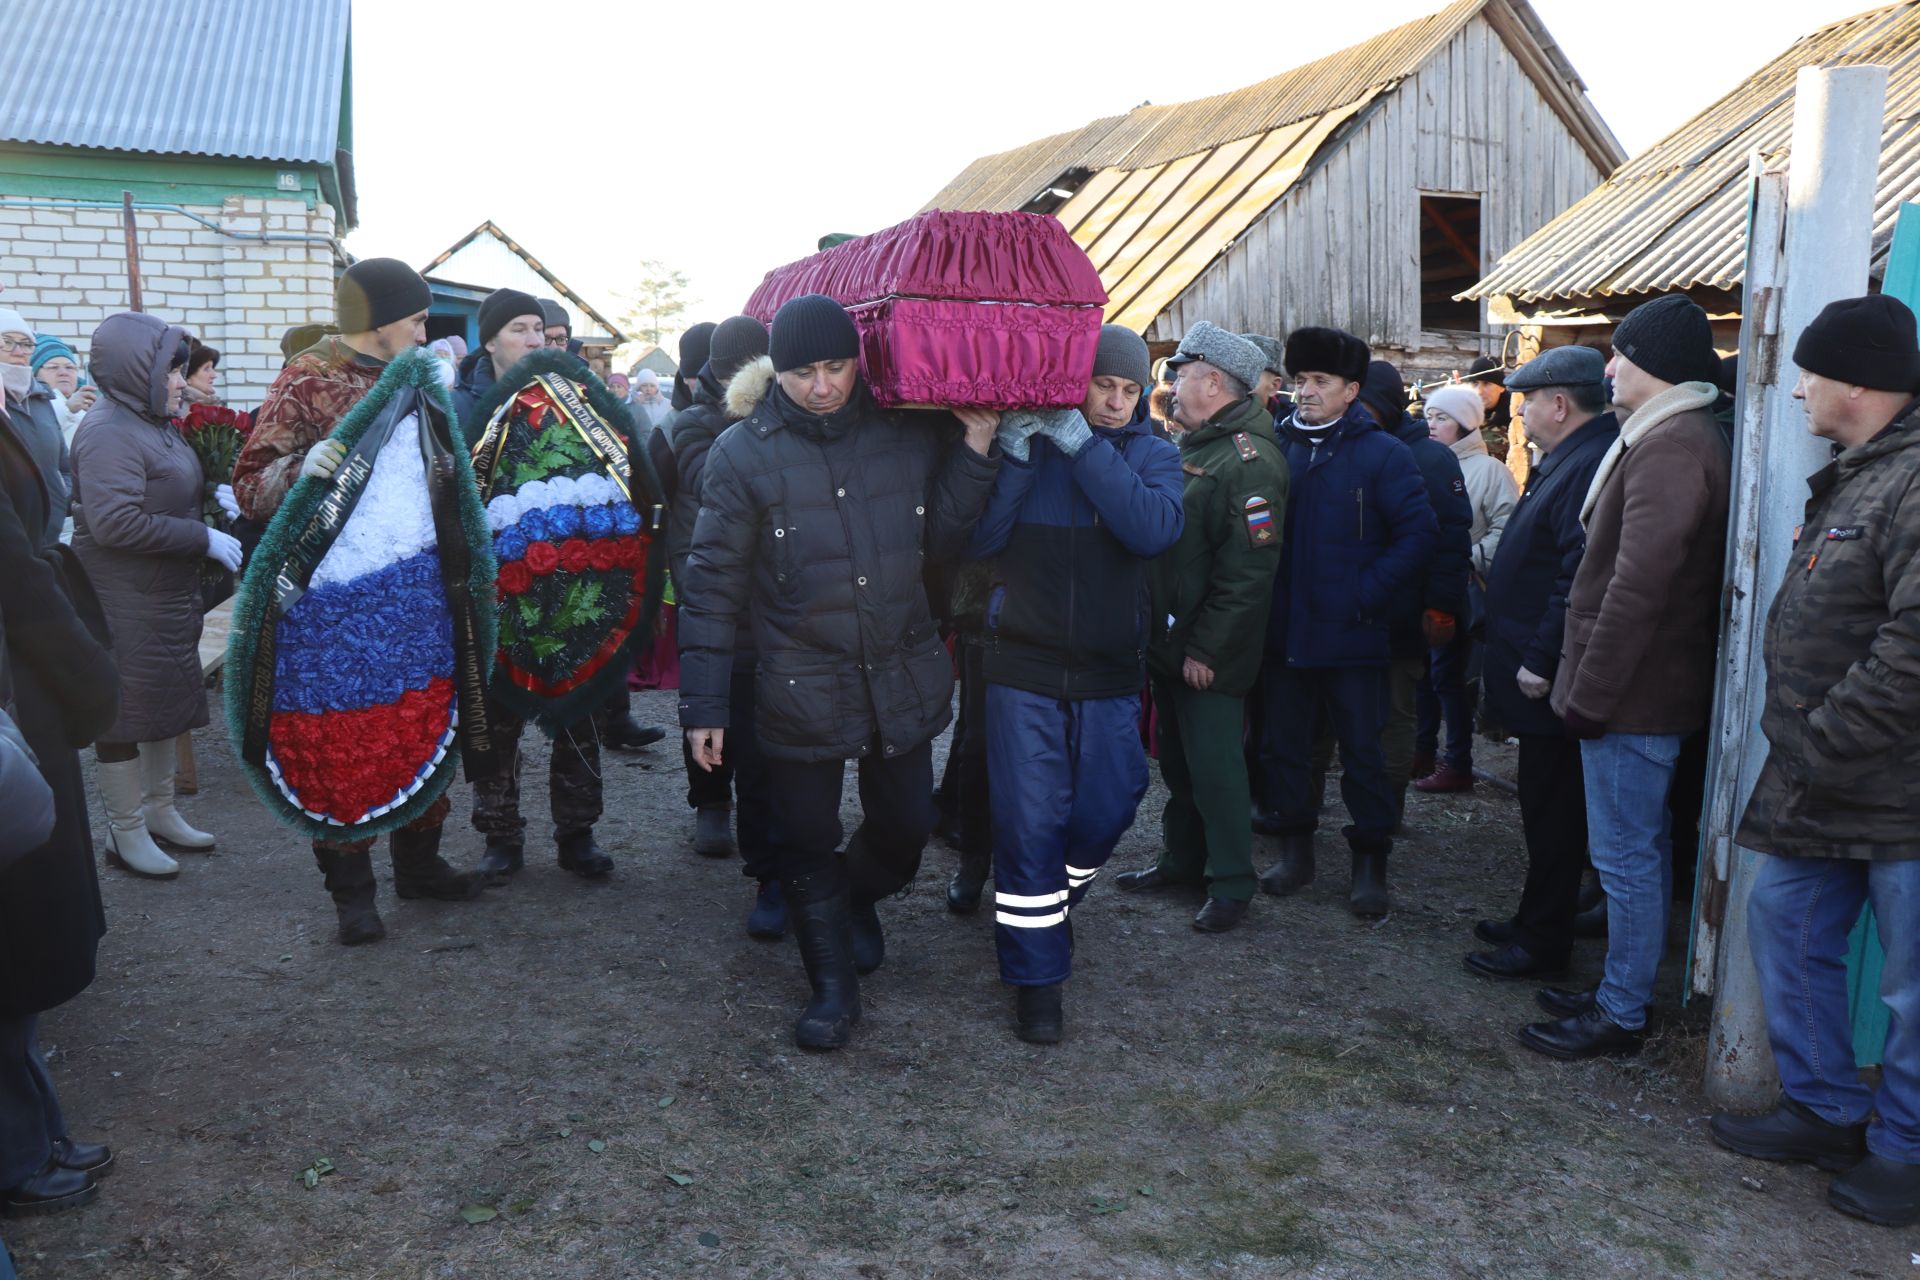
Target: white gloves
225, 549
228, 503
324, 459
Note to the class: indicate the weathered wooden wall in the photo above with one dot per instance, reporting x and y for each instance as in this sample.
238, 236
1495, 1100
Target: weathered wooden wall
1343, 246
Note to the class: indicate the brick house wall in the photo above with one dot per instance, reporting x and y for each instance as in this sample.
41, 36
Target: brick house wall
65, 270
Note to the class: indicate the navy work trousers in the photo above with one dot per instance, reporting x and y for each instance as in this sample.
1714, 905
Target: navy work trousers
1066, 780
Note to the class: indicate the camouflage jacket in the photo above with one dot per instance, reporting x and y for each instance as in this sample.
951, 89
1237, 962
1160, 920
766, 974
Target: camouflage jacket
302, 407
1842, 715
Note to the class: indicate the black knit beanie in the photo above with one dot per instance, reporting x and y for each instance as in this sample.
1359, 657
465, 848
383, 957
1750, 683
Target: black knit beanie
1123, 354
737, 342
1863, 342
809, 329
552, 313
695, 346
377, 291
1671, 338
502, 307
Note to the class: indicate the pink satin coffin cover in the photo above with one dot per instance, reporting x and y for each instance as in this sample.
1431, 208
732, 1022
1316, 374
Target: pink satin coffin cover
997, 310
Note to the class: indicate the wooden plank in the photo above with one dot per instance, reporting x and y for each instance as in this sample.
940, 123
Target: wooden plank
213, 638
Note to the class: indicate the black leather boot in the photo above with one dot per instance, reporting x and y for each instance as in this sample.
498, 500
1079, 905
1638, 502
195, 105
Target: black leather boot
580, 855
713, 831
1038, 1016
1294, 871
95, 1158
349, 880
50, 1189
963, 891
420, 872
1883, 1191
504, 857
869, 940
1791, 1132
620, 731
818, 909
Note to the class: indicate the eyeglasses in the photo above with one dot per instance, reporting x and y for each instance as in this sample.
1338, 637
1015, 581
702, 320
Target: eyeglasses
556, 342
15, 344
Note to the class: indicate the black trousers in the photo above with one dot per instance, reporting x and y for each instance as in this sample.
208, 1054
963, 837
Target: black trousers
964, 795
740, 779
30, 1119
1553, 816
896, 805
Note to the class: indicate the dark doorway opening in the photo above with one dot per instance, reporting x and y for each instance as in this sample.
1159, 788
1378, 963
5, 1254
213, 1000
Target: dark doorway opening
1449, 262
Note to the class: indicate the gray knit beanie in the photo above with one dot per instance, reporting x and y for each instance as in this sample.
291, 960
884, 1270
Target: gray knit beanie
1123, 354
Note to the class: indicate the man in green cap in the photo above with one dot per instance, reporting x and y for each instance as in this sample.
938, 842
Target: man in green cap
1209, 597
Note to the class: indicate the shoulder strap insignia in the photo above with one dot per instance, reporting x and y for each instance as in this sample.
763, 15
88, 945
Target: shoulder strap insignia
1192, 470
1244, 443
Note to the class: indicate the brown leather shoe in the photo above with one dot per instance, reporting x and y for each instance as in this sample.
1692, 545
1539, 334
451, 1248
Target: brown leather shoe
1446, 778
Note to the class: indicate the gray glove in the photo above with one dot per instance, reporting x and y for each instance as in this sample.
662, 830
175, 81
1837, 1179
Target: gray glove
1067, 429
1015, 427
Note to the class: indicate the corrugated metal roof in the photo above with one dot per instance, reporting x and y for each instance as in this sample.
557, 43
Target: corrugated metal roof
257, 79
1163, 191
1154, 135
1675, 216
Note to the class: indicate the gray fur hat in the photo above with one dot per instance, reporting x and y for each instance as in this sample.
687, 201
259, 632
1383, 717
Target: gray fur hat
1228, 352
1272, 350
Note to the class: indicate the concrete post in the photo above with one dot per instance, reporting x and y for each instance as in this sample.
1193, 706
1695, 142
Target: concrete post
1827, 246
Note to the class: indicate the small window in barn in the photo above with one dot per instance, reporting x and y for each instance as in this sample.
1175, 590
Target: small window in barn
1058, 192
1449, 261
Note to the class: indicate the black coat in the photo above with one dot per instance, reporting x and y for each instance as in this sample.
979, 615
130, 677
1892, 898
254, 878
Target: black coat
694, 428
66, 692
1531, 574
820, 528
1445, 585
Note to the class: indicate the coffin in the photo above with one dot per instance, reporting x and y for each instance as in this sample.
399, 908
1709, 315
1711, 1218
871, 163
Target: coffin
994, 310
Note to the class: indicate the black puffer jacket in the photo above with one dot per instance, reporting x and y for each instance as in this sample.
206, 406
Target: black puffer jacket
694, 428
820, 528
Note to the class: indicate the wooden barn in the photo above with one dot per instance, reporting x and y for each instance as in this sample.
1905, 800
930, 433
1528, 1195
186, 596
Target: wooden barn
1674, 218
1365, 190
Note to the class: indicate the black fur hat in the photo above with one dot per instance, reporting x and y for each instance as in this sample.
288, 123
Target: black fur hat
1335, 351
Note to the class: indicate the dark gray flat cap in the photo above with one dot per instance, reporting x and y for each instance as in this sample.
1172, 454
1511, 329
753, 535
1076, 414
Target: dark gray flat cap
1560, 367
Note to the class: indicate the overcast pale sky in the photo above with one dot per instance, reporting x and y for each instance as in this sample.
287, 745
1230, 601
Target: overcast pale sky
725, 138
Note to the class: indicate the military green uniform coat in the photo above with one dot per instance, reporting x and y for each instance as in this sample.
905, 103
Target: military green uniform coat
1211, 592
1842, 715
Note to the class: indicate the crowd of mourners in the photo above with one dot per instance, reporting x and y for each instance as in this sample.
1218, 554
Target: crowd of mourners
1241, 562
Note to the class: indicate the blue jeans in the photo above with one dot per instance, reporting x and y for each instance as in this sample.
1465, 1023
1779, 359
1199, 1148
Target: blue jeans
1066, 780
1630, 833
1798, 919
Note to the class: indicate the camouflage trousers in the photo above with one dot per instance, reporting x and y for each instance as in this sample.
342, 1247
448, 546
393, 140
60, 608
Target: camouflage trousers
573, 779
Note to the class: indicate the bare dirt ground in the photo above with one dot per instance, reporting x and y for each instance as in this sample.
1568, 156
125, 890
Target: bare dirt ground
608, 1070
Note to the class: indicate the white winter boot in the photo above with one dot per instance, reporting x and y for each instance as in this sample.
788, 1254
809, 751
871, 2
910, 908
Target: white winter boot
128, 844
164, 823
